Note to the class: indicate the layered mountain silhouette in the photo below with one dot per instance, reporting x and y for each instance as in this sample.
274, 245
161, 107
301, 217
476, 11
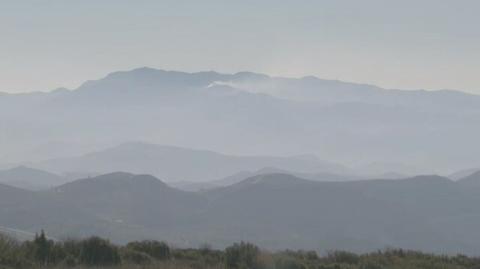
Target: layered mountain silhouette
30, 179
429, 213
181, 164
472, 180
247, 114
240, 176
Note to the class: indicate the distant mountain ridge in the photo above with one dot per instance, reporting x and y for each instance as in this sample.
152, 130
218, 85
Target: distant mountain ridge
181, 164
31, 179
246, 114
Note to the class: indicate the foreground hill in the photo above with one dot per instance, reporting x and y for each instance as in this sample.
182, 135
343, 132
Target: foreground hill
28, 211
246, 113
418, 213
131, 199
275, 211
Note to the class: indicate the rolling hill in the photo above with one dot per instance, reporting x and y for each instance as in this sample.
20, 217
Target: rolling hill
132, 199
30, 211
275, 211
417, 213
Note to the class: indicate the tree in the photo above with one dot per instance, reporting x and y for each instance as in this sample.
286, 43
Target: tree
242, 256
96, 251
155, 249
42, 248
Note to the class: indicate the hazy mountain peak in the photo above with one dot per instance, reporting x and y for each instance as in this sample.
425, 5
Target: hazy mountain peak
141, 71
126, 177
60, 90
145, 146
420, 178
473, 179
21, 168
273, 179
426, 180
161, 74
474, 175
349, 123
250, 76
311, 78
169, 162
118, 174
30, 178
114, 180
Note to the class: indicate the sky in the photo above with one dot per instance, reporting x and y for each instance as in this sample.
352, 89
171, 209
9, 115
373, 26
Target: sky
408, 44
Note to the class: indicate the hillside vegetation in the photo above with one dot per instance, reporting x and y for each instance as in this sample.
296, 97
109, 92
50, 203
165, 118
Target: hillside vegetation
95, 252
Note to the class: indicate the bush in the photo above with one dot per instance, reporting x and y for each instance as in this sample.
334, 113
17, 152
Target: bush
69, 261
242, 256
288, 263
97, 251
131, 256
10, 252
156, 249
343, 257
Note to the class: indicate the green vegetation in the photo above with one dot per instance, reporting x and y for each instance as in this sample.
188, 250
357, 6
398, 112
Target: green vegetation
99, 253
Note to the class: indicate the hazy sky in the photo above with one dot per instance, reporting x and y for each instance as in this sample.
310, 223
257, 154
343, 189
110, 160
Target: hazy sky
431, 44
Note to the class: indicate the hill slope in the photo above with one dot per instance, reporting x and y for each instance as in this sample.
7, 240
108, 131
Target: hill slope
275, 211
416, 213
32, 211
472, 180
133, 199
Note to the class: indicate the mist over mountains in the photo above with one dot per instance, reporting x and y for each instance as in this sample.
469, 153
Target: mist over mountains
222, 157
250, 114
181, 164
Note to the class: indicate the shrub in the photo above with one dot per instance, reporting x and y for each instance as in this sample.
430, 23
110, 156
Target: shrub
97, 251
343, 257
288, 263
69, 261
131, 256
242, 256
156, 249
10, 252
43, 251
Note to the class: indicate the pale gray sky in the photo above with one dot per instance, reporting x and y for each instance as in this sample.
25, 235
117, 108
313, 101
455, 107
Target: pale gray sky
432, 44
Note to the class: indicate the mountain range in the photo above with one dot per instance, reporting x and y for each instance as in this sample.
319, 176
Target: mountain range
410, 132
169, 163
275, 211
206, 169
